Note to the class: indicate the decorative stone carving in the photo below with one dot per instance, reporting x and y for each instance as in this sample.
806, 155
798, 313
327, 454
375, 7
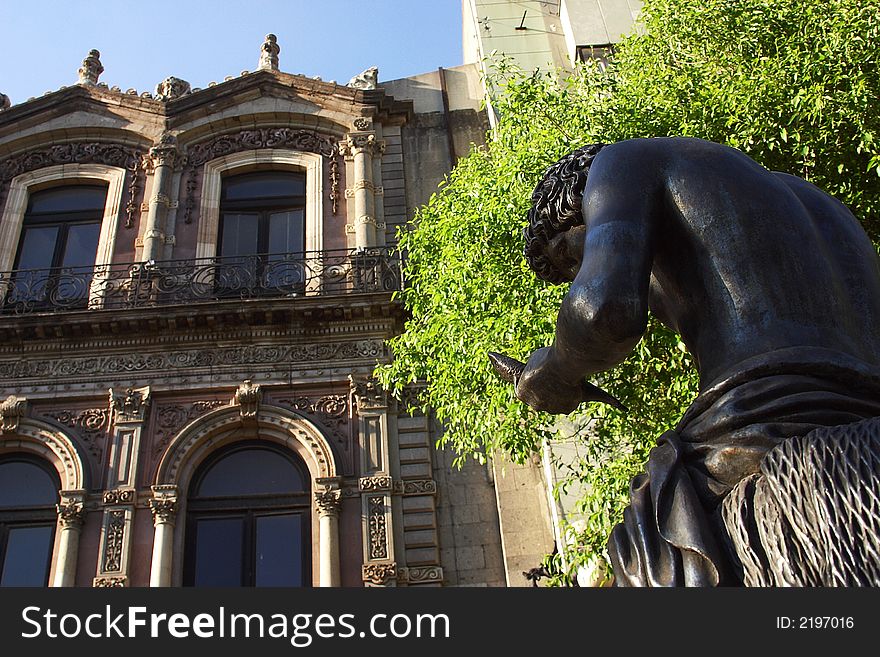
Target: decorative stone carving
362, 123
246, 140
114, 542
11, 411
411, 399
175, 361
367, 393
334, 185
288, 138
172, 418
5, 103
379, 574
123, 496
378, 528
328, 501
331, 410
366, 80
115, 155
269, 54
172, 88
376, 484
71, 510
110, 582
91, 424
91, 69
420, 574
248, 397
131, 406
420, 487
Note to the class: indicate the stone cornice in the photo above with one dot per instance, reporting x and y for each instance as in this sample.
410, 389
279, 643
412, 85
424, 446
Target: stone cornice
333, 315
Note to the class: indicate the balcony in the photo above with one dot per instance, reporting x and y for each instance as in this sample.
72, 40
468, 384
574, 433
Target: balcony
187, 282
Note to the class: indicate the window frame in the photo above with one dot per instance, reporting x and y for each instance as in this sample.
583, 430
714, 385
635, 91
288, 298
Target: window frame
23, 185
248, 508
263, 207
31, 516
312, 164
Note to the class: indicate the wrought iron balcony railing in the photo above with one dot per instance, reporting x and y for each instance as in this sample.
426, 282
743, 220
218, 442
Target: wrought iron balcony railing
174, 282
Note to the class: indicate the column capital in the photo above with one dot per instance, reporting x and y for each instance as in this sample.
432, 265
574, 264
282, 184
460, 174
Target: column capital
71, 509
130, 406
165, 153
367, 393
361, 142
163, 504
328, 502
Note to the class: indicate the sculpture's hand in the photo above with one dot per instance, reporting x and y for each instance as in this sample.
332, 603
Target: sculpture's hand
541, 387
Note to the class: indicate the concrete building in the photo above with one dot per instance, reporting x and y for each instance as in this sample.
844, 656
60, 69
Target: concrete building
196, 285
544, 35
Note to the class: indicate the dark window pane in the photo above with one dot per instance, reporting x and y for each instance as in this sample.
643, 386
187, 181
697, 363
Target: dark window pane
68, 199
26, 484
279, 550
37, 247
26, 562
240, 234
218, 551
263, 185
250, 472
286, 232
81, 246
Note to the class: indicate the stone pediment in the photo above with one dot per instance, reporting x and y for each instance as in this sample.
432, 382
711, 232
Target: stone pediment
306, 95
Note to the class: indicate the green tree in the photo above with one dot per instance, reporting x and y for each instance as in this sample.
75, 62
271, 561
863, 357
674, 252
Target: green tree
794, 83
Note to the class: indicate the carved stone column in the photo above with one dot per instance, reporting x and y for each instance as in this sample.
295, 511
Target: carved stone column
328, 502
164, 509
129, 411
360, 148
160, 162
71, 515
376, 486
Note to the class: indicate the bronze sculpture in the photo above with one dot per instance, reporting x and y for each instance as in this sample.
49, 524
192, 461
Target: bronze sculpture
774, 288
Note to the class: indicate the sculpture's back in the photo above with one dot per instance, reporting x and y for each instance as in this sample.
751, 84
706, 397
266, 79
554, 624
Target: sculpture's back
775, 290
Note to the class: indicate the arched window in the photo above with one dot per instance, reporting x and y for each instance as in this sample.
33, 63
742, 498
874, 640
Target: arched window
28, 495
262, 232
59, 241
248, 517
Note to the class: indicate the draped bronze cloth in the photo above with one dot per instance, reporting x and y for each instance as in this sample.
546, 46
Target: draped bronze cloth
671, 534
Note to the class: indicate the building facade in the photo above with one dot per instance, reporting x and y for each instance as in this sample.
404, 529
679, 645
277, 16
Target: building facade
196, 286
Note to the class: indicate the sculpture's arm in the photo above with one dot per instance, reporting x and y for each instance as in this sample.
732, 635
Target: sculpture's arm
605, 311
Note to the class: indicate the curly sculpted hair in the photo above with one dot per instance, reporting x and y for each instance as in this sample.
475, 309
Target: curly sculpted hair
556, 208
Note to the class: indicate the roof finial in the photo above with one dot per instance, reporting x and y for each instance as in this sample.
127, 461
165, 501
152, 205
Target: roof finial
269, 53
91, 68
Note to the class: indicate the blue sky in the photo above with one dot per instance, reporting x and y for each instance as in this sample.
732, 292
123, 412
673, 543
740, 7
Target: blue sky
43, 42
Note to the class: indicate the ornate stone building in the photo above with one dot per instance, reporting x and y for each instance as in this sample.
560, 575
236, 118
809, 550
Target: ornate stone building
196, 285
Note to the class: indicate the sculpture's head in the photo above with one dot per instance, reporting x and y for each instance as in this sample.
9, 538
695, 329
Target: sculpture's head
554, 246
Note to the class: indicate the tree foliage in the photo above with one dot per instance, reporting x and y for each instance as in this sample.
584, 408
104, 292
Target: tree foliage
794, 83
